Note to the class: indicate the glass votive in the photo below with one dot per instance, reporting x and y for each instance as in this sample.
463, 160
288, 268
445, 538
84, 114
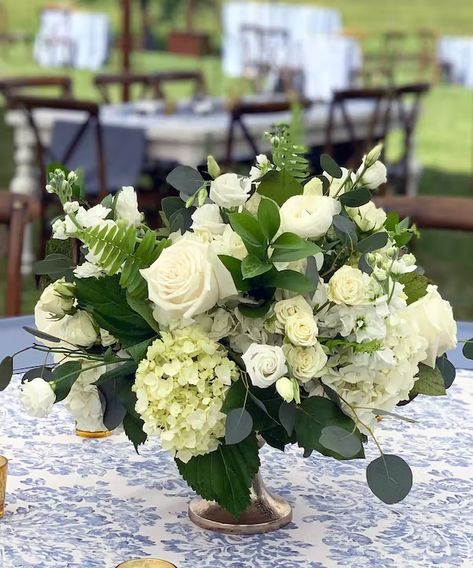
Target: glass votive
3, 483
146, 563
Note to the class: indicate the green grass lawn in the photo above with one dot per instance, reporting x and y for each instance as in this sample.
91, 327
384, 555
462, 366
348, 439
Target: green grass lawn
445, 134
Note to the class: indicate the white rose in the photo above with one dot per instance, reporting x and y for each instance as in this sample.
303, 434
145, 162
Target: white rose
306, 363
265, 364
285, 389
208, 218
126, 206
374, 176
434, 318
57, 298
302, 330
368, 217
309, 216
313, 187
79, 329
229, 243
186, 280
230, 190
37, 397
348, 286
285, 309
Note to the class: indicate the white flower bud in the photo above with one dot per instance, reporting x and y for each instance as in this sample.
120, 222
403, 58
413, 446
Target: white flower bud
212, 167
285, 388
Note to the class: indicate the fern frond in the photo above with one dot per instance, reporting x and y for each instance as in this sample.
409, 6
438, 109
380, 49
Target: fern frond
289, 155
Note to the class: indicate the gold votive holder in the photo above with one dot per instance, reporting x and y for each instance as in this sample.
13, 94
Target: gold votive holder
146, 563
3, 483
98, 434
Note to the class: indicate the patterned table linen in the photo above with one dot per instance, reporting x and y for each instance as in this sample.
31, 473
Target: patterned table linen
76, 503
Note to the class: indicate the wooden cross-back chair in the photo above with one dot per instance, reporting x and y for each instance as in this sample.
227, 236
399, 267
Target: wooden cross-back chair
107, 82
15, 212
30, 105
158, 82
342, 115
11, 86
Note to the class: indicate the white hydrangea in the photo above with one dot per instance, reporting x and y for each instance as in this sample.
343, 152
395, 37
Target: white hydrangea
180, 388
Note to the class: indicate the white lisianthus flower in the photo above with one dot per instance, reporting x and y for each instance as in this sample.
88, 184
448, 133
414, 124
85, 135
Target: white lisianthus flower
368, 217
83, 401
338, 186
229, 243
309, 216
306, 363
313, 187
302, 330
434, 317
285, 309
208, 218
79, 329
230, 190
126, 206
88, 218
263, 165
374, 176
286, 389
348, 286
265, 364
187, 280
37, 397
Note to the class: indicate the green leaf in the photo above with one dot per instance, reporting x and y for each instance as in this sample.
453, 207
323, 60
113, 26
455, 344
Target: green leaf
133, 427
287, 416
364, 266
238, 426
340, 441
355, 198
138, 351
291, 280
329, 165
114, 410
381, 412
392, 220
224, 475
41, 334
429, 382
279, 186
245, 225
415, 286
468, 349
254, 311
107, 302
233, 265
117, 371
171, 205
447, 369
289, 247
345, 229
6, 372
181, 220
185, 179
268, 217
252, 266
64, 376
390, 478
373, 242
143, 308
55, 266
42, 372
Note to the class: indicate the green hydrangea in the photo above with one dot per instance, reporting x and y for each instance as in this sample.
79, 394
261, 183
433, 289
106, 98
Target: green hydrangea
180, 389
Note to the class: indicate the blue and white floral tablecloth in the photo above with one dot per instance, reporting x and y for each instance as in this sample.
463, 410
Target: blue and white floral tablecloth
93, 503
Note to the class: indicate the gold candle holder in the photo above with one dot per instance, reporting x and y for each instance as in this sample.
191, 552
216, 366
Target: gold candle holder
3, 483
99, 434
146, 563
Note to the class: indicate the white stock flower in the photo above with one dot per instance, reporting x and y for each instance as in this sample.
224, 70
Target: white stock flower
126, 206
374, 176
434, 317
59, 230
88, 270
306, 363
37, 397
187, 280
368, 217
88, 218
302, 330
265, 364
208, 218
83, 401
71, 207
285, 309
230, 190
348, 286
309, 216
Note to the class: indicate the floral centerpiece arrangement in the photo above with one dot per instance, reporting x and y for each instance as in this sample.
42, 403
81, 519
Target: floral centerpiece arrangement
273, 305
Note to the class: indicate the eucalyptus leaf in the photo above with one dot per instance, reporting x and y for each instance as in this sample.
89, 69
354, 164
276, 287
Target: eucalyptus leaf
374, 242
468, 349
41, 334
345, 229
355, 198
390, 478
114, 410
329, 165
64, 376
447, 369
340, 441
117, 371
38, 372
185, 179
170, 205
364, 266
6, 372
429, 382
311, 271
55, 266
238, 426
287, 416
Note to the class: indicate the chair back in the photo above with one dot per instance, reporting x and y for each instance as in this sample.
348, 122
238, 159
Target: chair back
12, 86
159, 81
15, 211
342, 115
136, 83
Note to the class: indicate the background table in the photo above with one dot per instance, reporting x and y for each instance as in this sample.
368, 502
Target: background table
75, 503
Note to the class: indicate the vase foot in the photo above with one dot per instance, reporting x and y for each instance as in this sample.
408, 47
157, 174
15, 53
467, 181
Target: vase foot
263, 515
99, 434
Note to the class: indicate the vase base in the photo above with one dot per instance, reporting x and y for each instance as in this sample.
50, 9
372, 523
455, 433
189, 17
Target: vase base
99, 434
262, 516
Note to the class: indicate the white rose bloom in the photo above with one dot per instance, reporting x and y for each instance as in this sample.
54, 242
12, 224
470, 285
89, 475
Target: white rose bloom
306, 363
285, 309
57, 298
37, 397
434, 317
79, 329
88, 218
374, 176
208, 218
229, 243
313, 187
302, 330
368, 217
348, 286
187, 280
83, 401
126, 206
309, 216
230, 190
265, 364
